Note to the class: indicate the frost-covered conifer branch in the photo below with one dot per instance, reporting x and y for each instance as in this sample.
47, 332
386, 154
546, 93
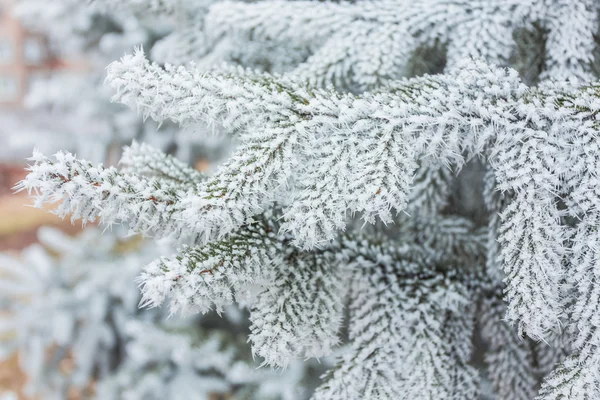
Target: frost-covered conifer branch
571, 27
69, 310
141, 159
356, 47
393, 318
475, 110
532, 251
332, 159
87, 192
300, 313
246, 183
214, 275
430, 192
509, 358
576, 376
159, 7
447, 240
359, 58
385, 33
495, 202
298, 310
252, 179
188, 95
284, 327
401, 309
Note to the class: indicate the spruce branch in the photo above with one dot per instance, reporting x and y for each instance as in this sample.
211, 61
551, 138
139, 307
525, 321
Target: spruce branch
380, 149
403, 310
472, 111
211, 276
189, 95
142, 159
87, 192
509, 358
157, 7
576, 376
447, 240
569, 45
300, 313
361, 57
431, 189
468, 29
532, 251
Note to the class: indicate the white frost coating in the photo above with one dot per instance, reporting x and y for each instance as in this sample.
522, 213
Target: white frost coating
470, 28
473, 110
391, 315
328, 159
160, 7
300, 314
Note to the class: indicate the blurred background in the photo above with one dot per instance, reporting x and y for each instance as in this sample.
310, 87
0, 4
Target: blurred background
25, 56
70, 326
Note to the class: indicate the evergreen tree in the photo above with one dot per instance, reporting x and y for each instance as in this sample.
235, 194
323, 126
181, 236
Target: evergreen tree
356, 125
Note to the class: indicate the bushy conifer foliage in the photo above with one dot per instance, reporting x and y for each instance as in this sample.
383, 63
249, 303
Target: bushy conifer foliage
355, 124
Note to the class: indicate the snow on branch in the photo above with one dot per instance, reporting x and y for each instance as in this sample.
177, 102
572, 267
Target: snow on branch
361, 153
158, 7
142, 159
87, 192
327, 157
446, 239
300, 313
577, 374
532, 251
239, 190
402, 310
385, 33
431, 188
189, 95
572, 27
202, 278
510, 359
